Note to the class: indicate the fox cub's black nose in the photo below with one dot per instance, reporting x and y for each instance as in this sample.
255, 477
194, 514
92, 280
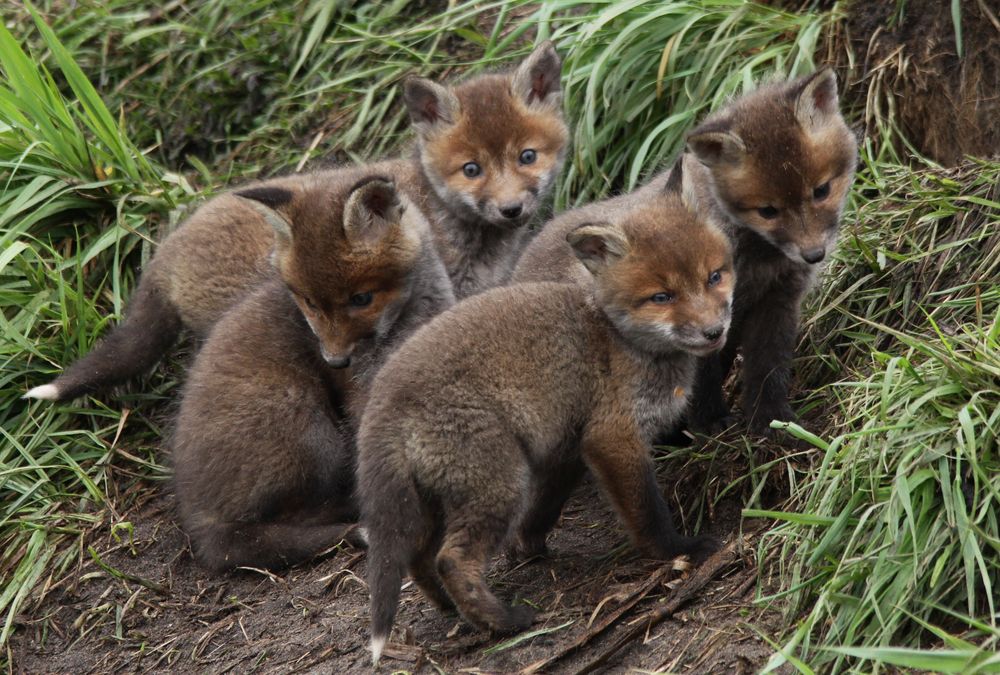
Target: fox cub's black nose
713, 333
814, 256
511, 211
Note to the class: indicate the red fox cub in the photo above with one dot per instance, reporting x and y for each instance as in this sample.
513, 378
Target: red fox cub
263, 452
487, 154
777, 164
775, 167
472, 423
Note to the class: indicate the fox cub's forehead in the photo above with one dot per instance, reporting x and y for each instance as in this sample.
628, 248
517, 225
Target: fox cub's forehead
338, 273
784, 155
494, 121
678, 251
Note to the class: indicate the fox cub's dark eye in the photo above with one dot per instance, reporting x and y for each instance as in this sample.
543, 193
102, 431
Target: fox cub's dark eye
471, 169
768, 212
822, 192
361, 299
528, 156
662, 298
714, 278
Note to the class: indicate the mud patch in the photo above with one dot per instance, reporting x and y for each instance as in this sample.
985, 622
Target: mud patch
146, 606
903, 68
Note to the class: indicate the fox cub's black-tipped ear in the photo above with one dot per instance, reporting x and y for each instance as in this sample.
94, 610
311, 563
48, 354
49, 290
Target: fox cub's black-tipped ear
430, 105
272, 197
597, 245
373, 208
270, 202
683, 183
537, 79
816, 99
713, 143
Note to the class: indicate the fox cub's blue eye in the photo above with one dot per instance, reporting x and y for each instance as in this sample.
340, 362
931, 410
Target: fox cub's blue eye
662, 298
471, 169
768, 212
714, 278
528, 156
361, 299
822, 192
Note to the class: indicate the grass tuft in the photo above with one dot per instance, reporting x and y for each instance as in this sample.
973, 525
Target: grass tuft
899, 555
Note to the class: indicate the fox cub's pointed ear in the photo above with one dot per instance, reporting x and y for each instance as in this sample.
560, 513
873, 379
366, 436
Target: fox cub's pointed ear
597, 245
816, 101
683, 183
537, 81
272, 202
373, 208
430, 105
714, 144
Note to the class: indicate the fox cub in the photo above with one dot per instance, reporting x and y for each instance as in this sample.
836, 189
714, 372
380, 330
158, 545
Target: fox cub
487, 154
548, 258
263, 453
489, 151
777, 165
471, 423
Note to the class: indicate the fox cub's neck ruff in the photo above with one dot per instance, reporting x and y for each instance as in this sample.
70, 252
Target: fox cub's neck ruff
781, 161
491, 147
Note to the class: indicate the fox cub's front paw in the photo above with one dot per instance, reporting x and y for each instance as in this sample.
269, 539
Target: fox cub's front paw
760, 420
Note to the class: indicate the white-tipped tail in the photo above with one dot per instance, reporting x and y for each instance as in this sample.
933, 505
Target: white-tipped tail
46, 392
378, 644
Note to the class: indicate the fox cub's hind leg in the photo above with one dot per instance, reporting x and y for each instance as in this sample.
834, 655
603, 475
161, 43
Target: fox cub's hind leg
424, 572
469, 543
550, 490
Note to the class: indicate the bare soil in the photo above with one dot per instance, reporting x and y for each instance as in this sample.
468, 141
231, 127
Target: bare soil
148, 607
906, 66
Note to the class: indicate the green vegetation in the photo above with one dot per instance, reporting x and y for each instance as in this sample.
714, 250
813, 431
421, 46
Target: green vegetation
108, 118
903, 542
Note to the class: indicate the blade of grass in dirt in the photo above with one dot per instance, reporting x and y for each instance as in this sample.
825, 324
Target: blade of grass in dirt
524, 637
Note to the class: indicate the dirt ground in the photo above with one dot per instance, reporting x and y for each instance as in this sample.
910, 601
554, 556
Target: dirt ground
150, 608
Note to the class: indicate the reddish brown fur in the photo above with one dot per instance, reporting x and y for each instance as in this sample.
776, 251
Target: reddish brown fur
680, 271
784, 157
492, 129
324, 268
784, 148
263, 448
478, 426
487, 123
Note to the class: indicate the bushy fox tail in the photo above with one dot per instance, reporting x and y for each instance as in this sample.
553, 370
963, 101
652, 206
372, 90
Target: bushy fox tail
396, 523
151, 326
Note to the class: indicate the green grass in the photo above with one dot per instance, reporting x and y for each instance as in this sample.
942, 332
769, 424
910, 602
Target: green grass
903, 545
887, 549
